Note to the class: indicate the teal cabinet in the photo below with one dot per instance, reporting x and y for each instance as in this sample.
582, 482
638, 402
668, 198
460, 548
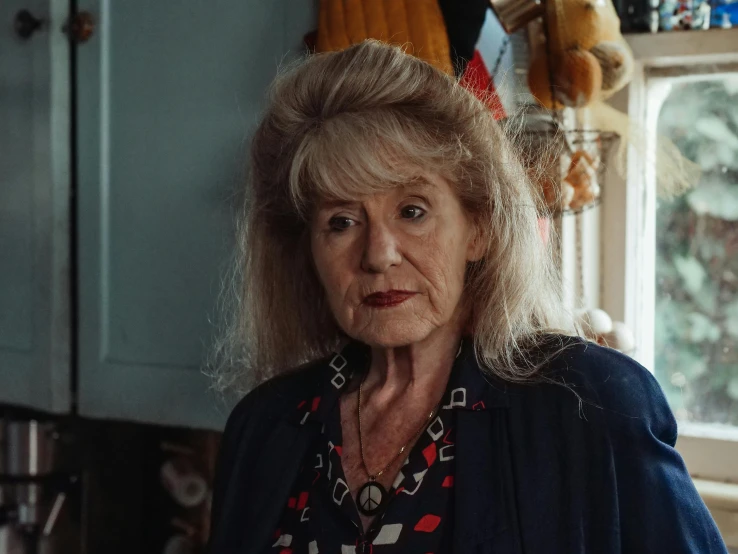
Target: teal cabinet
165, 95
35, 182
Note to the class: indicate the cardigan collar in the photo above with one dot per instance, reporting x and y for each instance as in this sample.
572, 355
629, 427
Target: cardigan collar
468, 388
490, 391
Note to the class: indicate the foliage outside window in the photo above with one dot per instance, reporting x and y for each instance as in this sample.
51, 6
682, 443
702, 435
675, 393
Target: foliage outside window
696, 318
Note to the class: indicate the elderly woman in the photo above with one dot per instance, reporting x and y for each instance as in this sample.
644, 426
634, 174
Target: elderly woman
419, 393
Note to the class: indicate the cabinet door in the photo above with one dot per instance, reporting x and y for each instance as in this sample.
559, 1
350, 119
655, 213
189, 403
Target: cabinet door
167, 93
34, 209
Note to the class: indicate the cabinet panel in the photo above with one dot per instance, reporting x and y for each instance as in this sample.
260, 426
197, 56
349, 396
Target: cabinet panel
34, 204
166, 98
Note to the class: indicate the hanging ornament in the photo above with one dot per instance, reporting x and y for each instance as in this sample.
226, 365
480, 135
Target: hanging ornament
565, 166
580, 186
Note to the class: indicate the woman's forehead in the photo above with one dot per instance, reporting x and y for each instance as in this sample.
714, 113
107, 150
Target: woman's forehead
423, 184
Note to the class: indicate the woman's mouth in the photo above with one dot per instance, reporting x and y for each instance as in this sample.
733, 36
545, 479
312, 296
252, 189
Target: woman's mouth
387, 299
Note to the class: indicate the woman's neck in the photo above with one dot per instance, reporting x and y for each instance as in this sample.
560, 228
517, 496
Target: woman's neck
416, 370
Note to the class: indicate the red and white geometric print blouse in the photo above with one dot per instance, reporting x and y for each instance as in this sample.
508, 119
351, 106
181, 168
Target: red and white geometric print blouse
321, 517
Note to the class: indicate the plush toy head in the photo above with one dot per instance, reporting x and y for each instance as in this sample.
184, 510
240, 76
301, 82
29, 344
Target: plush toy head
580, 23
584, 58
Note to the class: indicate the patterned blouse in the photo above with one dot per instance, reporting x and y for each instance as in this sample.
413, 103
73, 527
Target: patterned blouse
321, 516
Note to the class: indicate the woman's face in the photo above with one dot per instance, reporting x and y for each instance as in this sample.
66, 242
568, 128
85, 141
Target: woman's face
393, 264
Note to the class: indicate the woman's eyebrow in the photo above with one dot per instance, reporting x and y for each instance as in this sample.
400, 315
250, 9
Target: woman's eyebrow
334, 203
420, 184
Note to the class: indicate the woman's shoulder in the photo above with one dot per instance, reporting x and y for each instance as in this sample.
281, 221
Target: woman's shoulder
609, 382
614, 376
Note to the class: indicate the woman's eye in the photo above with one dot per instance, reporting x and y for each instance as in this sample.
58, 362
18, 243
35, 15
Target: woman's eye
340, 223
412, 212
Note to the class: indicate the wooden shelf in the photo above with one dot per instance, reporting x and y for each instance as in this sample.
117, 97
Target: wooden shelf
673, 47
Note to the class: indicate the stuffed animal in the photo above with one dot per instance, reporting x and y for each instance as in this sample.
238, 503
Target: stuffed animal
584, 57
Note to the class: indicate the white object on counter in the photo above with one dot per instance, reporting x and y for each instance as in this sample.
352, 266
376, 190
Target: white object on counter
187, 487
178, 544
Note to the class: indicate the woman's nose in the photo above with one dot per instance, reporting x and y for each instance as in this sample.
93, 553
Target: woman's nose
381, 250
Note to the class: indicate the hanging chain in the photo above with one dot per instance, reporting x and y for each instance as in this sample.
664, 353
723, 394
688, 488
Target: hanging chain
578, 239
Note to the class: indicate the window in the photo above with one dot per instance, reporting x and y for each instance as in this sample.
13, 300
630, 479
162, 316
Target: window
670, 267
695, 338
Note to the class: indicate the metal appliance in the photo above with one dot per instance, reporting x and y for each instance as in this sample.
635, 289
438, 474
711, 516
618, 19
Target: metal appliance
37, 486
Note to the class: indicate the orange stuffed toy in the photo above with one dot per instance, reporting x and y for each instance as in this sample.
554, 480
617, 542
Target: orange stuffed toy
417, 25
584, 58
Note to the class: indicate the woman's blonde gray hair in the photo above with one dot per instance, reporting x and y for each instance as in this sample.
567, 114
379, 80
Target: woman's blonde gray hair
350, 123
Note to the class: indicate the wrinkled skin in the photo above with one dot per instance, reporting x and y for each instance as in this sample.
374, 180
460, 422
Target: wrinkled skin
415, 238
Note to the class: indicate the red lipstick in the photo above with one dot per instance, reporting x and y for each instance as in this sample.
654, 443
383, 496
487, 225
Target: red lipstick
387, 299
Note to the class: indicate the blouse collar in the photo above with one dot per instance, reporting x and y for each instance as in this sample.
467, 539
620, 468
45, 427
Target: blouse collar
468, 388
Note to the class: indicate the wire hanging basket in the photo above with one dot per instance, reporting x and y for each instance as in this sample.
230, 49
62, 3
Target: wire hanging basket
566, 167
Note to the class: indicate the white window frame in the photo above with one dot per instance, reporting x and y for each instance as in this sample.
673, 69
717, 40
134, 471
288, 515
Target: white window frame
626, 249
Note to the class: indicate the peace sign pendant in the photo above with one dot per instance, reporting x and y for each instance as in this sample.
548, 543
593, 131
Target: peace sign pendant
371, 498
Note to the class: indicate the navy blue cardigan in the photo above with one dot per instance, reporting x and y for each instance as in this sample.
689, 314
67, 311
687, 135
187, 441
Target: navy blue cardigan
588, 467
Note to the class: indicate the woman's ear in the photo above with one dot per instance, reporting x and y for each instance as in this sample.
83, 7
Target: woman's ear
477, 244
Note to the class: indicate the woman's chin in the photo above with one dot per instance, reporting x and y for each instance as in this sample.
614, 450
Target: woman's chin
392, 334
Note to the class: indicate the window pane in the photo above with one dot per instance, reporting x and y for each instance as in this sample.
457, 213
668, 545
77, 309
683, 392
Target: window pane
696, 330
